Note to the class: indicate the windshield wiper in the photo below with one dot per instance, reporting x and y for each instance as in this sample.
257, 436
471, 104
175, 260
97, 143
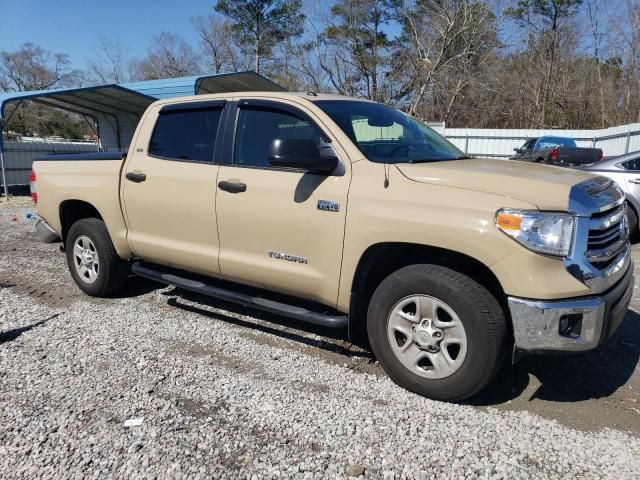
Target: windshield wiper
428, 160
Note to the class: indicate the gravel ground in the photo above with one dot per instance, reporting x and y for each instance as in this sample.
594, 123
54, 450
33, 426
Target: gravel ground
213, 390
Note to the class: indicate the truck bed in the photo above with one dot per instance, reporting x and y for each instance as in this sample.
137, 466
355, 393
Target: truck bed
92, 178
578, 155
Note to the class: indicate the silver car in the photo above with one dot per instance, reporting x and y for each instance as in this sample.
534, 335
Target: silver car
625, 171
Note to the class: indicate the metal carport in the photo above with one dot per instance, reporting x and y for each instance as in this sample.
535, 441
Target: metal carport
114, 109
117, 108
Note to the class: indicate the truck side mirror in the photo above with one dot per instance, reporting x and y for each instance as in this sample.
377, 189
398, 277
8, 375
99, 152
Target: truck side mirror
517, 150
300, 153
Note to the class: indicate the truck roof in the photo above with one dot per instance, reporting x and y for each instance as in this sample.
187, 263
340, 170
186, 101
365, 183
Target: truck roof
310, 96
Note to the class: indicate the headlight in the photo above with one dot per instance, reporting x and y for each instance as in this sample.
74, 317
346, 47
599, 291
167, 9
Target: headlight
550, 233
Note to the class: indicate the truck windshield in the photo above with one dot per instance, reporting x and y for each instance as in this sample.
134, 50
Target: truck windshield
386, 135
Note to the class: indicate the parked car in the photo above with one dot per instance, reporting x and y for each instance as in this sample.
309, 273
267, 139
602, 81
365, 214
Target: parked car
625, 171
441, 262
559, 151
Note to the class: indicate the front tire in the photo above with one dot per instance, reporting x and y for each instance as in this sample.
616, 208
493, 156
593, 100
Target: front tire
437, 332
92, 259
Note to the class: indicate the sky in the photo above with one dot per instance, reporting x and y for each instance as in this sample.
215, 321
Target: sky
75, 26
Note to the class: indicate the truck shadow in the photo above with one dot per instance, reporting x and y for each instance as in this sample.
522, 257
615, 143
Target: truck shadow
563, 378
571, 378
137, 286
332, 340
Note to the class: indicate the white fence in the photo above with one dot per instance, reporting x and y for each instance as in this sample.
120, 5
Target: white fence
18, 155
483, 142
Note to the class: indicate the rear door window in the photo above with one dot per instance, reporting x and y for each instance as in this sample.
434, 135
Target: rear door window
188, 135
632, 165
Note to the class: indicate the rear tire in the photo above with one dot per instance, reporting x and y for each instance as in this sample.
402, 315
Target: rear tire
458, 309
92, 259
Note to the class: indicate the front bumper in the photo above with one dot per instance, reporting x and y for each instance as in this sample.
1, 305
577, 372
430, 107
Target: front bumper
570, 325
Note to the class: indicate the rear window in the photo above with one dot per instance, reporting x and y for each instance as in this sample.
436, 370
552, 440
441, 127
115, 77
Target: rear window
550, 142
186, 135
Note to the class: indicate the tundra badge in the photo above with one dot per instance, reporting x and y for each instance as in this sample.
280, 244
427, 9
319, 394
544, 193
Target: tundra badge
328, 205
287, 256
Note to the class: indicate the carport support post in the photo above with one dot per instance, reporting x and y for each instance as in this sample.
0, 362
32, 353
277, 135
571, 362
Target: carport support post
4, 178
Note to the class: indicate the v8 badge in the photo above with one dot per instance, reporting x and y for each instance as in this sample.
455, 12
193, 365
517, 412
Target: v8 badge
328, 205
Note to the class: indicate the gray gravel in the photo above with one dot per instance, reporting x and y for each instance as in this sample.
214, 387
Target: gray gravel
225, 394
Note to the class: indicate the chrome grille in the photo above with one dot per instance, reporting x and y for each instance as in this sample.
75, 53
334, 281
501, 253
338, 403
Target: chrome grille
600, 254
608, 233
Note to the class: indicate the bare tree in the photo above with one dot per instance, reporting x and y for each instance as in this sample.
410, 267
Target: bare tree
441, 38
168, 56
545, 21
627, 29
597, 38
110, 63
33, 68
217, 43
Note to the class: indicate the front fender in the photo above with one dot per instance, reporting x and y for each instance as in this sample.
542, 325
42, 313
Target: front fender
445, 217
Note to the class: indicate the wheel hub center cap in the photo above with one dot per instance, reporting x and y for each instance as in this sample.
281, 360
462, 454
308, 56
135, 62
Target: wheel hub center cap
87, 258
426, 336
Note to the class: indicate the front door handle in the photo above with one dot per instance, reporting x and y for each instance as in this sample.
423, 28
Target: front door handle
232, 186
136, 177
635, 180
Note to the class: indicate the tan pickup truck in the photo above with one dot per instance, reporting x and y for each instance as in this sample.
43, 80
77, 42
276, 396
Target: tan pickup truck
350, 214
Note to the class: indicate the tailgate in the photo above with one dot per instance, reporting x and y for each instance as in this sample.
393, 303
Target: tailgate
578, 155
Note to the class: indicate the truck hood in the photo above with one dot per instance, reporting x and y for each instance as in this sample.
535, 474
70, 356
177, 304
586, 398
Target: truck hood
544, 186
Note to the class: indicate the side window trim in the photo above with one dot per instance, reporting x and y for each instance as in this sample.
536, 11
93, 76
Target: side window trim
220, 105
229, 134
231, 128
190, 106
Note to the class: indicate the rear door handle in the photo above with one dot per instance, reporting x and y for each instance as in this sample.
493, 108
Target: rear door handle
232, 187
136, 177
635, 180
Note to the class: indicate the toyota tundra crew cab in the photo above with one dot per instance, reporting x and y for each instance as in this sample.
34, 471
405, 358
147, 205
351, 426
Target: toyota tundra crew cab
349, 214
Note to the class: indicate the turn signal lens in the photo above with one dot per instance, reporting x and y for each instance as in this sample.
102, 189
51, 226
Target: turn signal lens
549, 233
509, 221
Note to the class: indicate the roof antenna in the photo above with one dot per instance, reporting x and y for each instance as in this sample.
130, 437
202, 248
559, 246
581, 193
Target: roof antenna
386, 175
312, 94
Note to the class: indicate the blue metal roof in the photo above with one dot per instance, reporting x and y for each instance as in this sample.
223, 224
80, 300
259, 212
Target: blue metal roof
202, 84
132, 96
100, 98
131, 99
235, 82
164, 88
